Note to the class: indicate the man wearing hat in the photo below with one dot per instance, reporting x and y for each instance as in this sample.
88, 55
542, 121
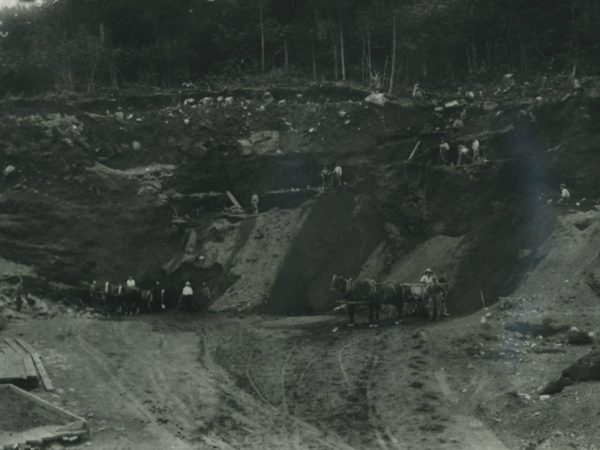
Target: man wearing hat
428, 277
185, 300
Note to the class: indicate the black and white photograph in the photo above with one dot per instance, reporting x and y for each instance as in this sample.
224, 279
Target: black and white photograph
299, 225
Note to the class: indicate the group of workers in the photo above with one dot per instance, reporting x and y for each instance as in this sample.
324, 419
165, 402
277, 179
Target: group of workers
465, 154
331, 177
130, 300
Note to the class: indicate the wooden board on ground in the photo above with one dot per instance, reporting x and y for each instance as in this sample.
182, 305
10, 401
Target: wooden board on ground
16, 365
28, 419
37, 361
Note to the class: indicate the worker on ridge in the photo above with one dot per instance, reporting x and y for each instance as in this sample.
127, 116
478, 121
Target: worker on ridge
130, 283
93, 291
325, 174
463, 154
444, 152
20, 295
476, 151
185, 300
254, 202
565, 195
337, 175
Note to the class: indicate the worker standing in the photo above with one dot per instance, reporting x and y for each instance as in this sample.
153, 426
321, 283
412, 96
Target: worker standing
337, 175
254, 202
130, 283
20, 295
325, 174
476, 151
444, 152
186, 298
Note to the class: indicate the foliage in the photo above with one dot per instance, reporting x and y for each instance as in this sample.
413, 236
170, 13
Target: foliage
84, 44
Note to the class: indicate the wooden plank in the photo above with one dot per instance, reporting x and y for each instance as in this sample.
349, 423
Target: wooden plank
48, 405
233, 200
12, 368
38, 365
414, 151
29, 367
13, 345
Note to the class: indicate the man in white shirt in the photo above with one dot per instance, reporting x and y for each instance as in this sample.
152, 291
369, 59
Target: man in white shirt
185, 300
130, 282
337, 175
565, 195
463, 153
428, 277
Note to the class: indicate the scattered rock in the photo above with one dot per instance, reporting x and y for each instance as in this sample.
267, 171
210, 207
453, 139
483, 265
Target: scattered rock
452, 104
342, 113
229, 100
489, 106
458, 124
136, 145
8, 170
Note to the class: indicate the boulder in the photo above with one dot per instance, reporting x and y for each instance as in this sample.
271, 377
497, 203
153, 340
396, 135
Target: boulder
136, 145
377, 99
8, 170
245, 147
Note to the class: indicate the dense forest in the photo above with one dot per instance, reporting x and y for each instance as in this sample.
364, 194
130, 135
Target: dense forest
82, 45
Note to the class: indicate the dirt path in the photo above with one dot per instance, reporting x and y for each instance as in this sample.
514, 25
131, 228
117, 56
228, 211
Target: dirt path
268, 384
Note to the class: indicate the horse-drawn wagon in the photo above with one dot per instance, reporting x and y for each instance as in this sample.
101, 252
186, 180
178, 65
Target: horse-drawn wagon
408, 299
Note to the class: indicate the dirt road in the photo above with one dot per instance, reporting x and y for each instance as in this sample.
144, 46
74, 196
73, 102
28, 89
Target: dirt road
178, 383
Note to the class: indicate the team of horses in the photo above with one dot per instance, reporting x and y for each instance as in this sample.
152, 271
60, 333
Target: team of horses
114, 299
408, 299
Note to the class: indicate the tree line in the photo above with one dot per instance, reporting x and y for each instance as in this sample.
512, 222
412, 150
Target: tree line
83, 45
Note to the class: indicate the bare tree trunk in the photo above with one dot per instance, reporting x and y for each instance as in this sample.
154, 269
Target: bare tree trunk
262, 38
335, 62
286, 54
342, 57
369, 58
393, 69
314, 62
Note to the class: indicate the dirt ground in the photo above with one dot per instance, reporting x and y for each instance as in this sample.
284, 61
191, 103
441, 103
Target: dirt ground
135, 185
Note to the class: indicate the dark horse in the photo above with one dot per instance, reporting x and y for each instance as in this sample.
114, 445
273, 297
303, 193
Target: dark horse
359, 292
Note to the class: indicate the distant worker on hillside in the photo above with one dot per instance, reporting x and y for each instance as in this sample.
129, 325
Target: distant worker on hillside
565, 195
444, 152
463, 154
337, 175
20, 295
254, 202
186, 297
476, 151
93, 291
130, 283
325, 178
417, 91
